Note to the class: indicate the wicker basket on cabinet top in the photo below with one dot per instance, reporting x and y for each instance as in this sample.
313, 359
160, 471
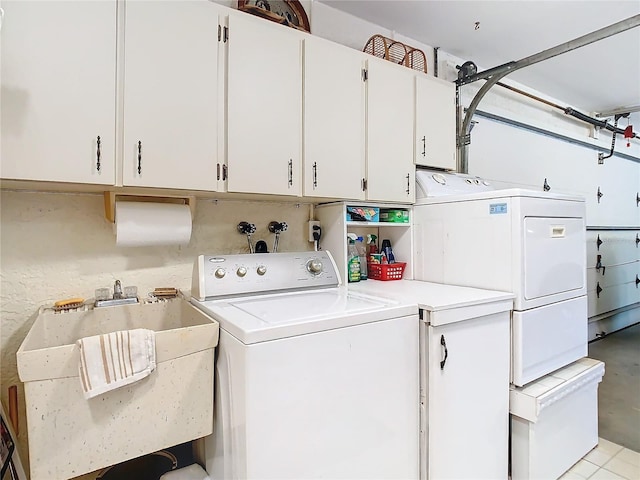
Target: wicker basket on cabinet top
396, 52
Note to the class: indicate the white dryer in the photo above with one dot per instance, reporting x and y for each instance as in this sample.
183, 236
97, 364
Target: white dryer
526, 242
312, 381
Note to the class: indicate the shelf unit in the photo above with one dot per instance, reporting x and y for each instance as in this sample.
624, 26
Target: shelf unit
333, 220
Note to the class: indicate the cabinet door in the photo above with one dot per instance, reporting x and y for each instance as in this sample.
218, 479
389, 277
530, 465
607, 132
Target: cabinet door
59, 91
264, 107
468, 413
435, 123
170, 94
334, 120
390, 167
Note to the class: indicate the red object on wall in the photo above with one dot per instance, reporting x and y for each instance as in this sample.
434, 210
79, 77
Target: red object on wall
628, 133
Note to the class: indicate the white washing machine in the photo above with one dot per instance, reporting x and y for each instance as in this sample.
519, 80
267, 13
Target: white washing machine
312, 381
526, 242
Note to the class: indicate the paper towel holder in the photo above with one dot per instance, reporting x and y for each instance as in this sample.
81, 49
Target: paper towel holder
111, 197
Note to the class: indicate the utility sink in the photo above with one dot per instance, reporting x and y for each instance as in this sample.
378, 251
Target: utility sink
70, 436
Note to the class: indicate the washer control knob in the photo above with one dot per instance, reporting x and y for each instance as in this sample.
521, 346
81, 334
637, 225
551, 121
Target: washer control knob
261, 270
314, 266
241, 272
220, 272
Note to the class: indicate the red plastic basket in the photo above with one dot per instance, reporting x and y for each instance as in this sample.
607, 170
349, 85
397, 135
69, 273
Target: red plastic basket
390, 271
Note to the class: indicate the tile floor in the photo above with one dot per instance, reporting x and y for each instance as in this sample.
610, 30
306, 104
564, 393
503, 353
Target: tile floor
608, 461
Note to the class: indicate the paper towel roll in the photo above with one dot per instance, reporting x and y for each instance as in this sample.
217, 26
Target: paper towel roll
140, 224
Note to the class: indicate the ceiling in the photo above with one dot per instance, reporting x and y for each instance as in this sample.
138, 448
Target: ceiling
599, 77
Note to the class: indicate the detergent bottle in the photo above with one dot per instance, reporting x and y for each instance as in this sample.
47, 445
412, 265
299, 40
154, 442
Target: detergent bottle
353, 259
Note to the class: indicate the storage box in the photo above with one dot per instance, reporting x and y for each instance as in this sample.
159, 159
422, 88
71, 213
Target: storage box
363, 214
394, 216
70, 436
554, 420
385, 271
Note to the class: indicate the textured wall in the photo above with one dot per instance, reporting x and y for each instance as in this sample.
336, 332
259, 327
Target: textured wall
56, 246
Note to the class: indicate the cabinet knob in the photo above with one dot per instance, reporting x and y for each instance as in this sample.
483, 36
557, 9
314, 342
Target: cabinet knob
98, 153
599, 264
443, 342
315, 174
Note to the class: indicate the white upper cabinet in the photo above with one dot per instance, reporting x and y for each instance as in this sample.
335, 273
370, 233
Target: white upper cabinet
59, 91
334, 120
435, 123
171, 95
264, 107
390, 107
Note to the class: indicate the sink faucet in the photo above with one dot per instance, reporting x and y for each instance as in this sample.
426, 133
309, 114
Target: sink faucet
119, 297
117, 290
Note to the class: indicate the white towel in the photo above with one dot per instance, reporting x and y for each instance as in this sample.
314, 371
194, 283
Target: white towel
115, 359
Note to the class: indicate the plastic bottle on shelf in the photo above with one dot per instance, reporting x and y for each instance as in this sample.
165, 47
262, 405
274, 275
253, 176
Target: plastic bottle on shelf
362, 255
371, 240
353, 259
388, 252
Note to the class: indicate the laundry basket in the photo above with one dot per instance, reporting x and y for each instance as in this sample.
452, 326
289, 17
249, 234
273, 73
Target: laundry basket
396, 52
389, 271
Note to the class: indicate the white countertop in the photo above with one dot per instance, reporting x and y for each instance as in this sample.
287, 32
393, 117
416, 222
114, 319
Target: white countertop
443, 303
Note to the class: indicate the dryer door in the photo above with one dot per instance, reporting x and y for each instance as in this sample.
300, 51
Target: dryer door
554, 256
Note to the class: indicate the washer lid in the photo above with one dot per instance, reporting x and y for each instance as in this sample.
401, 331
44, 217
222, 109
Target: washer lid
269, 317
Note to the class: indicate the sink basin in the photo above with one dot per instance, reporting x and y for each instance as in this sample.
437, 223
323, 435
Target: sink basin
70, 436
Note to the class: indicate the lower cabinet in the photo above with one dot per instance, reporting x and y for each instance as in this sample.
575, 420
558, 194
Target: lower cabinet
466, 400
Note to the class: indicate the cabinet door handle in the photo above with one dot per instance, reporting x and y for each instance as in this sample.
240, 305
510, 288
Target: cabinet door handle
637, 240
443, 342
637, 280
598, 242
637, 199
408, 185
98, 153
598, 289
424, 146
290, 172
315, 174
217, 171
139, 157
546, 187
225, 172
600, 194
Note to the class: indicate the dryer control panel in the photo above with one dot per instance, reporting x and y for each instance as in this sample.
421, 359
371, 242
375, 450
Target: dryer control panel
219, 276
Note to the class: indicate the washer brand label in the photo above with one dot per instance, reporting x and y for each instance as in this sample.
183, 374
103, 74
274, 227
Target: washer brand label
497, 208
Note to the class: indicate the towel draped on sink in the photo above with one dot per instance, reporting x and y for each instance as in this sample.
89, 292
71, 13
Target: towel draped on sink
115, 359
